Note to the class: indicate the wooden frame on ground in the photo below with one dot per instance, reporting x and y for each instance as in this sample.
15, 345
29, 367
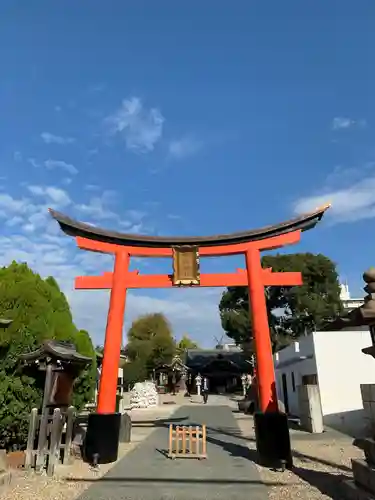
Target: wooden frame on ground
187, 441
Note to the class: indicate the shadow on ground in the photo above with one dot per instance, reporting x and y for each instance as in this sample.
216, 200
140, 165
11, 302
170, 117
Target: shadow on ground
235, 449
195, 481
327, 483
234, 443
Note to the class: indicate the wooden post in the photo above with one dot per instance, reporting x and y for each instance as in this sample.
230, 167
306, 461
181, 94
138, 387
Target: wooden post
204, 444
33, 423
170, 438
197, 435
70, 417
54, 440
184, 440
42, 439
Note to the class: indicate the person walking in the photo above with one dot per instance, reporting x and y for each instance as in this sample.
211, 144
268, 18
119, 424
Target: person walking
205, 387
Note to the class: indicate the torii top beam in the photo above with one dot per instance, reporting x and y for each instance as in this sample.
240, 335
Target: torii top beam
75, 228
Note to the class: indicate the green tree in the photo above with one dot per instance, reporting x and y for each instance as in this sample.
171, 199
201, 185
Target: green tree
292, 311
185, 343
40, 312
150, 344
84, 387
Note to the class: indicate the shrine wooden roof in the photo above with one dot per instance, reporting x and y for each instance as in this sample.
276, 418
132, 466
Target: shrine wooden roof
75, 228
62, 351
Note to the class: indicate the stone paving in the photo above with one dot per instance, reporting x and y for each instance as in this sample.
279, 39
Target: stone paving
146, 474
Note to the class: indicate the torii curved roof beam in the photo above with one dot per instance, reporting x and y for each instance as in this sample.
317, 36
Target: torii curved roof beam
75, 228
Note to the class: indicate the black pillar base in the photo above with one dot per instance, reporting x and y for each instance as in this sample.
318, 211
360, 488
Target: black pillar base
273, 439
102, 438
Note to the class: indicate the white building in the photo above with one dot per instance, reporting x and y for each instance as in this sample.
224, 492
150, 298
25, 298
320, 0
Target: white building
335, 362
228, 347
347, 301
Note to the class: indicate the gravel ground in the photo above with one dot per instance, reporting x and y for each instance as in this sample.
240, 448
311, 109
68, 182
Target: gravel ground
29, 486
321, 462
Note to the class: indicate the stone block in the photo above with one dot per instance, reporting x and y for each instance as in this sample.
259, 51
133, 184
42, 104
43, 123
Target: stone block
303, 395
366, 392
352, 491
364, 475
3, 461
368, 446
5, 480
367, 409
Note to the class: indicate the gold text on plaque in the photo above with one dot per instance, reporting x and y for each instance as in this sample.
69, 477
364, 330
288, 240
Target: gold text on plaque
186, 265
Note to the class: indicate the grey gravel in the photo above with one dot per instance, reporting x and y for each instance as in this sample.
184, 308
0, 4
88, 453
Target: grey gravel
321, 463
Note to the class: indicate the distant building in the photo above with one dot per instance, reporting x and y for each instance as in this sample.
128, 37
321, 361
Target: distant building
223, 367
229, 347
348, 302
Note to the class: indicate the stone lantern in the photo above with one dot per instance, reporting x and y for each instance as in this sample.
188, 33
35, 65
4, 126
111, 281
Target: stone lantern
244, 380
198, 383
363, 483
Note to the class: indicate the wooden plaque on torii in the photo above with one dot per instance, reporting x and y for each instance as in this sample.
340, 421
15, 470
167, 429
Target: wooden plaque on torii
186, 266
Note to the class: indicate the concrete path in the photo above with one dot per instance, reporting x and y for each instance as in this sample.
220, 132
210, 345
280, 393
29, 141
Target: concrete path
146, 474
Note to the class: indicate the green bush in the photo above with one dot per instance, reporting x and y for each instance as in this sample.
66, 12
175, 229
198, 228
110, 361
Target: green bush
40, 312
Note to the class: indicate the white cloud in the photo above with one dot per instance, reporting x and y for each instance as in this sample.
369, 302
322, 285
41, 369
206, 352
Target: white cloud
141, 128
59, 164
341, 122
184, 147
353, 201
49, 138
36, 239
56, 195
10, 206
91, 187
194, 312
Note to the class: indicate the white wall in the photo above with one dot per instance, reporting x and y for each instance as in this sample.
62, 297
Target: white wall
304, 348
342, 367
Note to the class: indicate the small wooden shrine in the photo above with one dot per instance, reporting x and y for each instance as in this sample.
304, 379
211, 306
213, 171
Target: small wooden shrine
171, 377
62, 364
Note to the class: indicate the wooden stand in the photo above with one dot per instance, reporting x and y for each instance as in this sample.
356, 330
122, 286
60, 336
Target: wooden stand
187, 441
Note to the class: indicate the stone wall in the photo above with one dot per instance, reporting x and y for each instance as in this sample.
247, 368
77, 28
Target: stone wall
310, 408
368, 401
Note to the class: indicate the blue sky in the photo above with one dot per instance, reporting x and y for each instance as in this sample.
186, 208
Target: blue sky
184, 118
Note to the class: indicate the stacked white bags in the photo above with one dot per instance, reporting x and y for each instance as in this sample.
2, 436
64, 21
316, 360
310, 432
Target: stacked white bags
144, 395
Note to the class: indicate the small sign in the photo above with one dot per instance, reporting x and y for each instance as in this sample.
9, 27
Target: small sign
186, 266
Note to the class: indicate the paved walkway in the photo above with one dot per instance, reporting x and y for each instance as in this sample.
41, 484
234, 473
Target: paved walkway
146, 474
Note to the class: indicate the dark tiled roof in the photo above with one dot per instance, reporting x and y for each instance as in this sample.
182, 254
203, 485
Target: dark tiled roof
198, 358
63, 351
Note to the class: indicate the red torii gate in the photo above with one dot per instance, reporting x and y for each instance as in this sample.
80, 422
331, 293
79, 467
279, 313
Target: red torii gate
125, 246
